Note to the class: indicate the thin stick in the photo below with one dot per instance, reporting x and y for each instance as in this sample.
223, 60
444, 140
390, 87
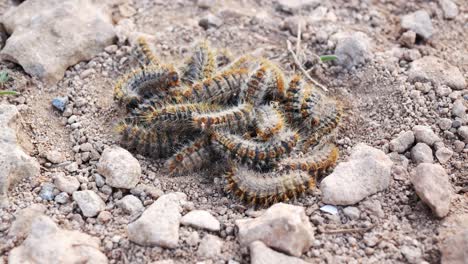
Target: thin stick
349, 230
298, 42
298, 63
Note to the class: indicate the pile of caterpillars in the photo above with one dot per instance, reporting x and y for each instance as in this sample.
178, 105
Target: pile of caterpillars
270, 133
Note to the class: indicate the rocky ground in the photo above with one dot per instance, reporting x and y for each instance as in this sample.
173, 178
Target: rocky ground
69, 194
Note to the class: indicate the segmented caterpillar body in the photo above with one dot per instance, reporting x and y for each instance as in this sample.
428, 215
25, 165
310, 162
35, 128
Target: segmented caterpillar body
294, 97
319, 160
269, 122
193, 157
144, 53
176, 113
201, 65
237, 118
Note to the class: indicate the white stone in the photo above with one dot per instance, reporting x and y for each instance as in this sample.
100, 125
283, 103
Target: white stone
433, 187
23, 219
443, 155
210, 247
130, 204
352, 48
283, 227
47, 243
159, 223
119, 167
419, 22
450, 9
425, 134
261, 254
201, 219
89, 202
422, 153
437, 71
367, 171
55, 156
68, 184
47, 37
403, 142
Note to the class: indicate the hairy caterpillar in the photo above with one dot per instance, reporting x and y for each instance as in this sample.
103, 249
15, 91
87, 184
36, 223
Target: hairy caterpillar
269, 122
321, 159
144, 53
236, 118
192, 157
261, 154
201, 65
267, 188
151, 81
294, 96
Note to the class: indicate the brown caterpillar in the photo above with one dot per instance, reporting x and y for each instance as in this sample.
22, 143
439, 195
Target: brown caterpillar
277, 84
321, 159
192, 157
235, 119
294, 96
144, 53
256, 86
151, 81
220, 89
201, 65
259, 154
267, 188
269, 122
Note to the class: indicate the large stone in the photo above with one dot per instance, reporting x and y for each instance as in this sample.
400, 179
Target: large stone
450, 9
119, 167
463, 132
422, 153
403, 142
210, 247
433, 187
15, 164
425, 134
89, 202
68, 184
130, 204
352, 48
419, 22
367, 171
47, 37
201, 219
159, 223
24, 218
261, 254
47, 243
455, 248
283, 227
437, 71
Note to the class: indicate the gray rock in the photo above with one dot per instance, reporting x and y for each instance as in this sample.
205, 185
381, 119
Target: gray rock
210, 21
55, 156
352, 212
15, 165
425, 134
66, 184
445, 123
403, 142
412, 254
130, 204
292, 6
455, 248
352, 48
433, 187
206, 4
437, 71
119, 167
459, 108
99, 180
46, 243
450, 9
283, 227
48, 37
458, 145
368, 171
159, 223
47, 191
62, 198
422, 153
261, 254
201, 219
23, 219
210, 247
89, 202
419, 22
443, 154
463, 132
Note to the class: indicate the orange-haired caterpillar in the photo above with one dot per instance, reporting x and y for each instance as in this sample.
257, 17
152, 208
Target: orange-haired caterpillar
219, 89
294, 96
257, 154
256, 86
267, 188
194, 156
269, 122
236, 118
321, 159
148, 82
144, 53
201, 65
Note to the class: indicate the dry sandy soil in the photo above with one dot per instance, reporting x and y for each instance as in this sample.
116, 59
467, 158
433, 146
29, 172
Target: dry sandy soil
379, 105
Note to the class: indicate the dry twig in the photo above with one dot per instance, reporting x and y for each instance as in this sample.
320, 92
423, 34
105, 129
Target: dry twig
349, 230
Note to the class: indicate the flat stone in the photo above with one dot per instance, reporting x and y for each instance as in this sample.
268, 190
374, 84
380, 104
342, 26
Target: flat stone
68, 184
47, 243
367, 171
433, 187
119, 167
159, 223
425, 134
201, 219
47, 37
419, 22
15, 164
443, 155
283, 227
261, 254
210, 247
422, 153
130, 204
403, 142
89, 202
437, 71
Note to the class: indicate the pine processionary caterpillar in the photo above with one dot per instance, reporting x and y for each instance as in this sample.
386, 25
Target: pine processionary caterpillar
320, 159
269, 122
144, 53
236, 118
201, 65
192, 157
